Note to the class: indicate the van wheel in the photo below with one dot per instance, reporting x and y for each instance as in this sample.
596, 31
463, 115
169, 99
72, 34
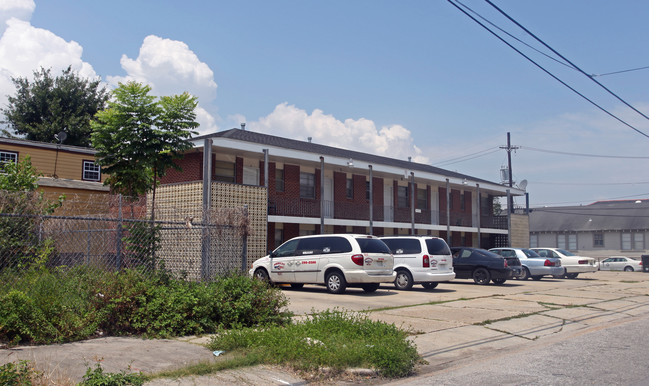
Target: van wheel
429, 285
403, 280
336, 283
262, 275
371, 287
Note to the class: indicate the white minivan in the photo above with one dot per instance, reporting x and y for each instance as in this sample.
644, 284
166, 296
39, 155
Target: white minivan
335, 260
424, 260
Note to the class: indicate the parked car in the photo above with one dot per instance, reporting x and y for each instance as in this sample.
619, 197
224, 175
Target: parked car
483, 266
424, 260
620, 263
573, 264
335, 260
533, 265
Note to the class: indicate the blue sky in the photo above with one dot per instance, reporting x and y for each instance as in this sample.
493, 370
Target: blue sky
400, 79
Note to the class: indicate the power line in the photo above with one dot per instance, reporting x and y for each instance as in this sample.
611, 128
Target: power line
468, 157
583, 154
619, 72
542, 68
567, 60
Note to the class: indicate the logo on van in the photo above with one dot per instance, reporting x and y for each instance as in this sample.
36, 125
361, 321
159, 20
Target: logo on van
279, 265
433, 263
368, 261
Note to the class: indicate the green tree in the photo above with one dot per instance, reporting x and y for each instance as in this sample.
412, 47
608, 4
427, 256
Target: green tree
139, 136
47, 105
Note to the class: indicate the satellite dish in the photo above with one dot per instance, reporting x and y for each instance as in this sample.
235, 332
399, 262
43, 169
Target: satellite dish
522, 185
61, 136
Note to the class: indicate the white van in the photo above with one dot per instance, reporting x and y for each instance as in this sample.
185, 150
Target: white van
335, 260
424, 260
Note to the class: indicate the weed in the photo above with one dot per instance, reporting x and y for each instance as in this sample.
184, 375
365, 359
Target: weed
98, 377
330, 339
18, 374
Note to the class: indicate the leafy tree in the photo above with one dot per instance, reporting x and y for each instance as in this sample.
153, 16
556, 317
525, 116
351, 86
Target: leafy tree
138, 137
47, 105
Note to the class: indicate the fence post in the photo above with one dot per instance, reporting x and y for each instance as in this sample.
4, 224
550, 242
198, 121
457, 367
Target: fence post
119, 233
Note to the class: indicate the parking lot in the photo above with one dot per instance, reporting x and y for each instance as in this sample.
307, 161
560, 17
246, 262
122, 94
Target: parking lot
459, 321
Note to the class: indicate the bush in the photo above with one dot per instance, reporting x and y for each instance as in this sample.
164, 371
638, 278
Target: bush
18, 374
98, 377
55, 305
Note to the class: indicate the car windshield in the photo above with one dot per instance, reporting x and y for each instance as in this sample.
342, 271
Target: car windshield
564, 252
530, 253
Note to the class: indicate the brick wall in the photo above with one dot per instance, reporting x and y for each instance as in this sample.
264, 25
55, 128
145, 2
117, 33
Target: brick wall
192, 170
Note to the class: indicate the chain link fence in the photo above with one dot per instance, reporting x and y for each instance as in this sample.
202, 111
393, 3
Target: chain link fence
111, 232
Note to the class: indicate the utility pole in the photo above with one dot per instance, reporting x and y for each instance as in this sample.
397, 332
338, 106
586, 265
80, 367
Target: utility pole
509, 148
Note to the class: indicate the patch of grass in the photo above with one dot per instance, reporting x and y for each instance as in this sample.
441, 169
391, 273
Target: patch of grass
335, 340
522, 315
98, 377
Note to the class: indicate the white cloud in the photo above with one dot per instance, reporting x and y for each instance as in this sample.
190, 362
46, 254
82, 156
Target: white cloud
393, 141
19, 9
25, 49
171, 67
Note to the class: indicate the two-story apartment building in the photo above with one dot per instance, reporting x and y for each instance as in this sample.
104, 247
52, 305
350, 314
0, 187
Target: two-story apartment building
313, 188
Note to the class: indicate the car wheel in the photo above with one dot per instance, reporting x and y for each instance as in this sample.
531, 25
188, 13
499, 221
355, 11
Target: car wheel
336, 283
403, 280
371, 287
526, 274
429, 285
481, 276
297, 285
537, 278
499, 281
628, 269
572, 275
262, 275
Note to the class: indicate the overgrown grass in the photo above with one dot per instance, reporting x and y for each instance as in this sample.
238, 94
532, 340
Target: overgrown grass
336, 340
19, 373
46, 306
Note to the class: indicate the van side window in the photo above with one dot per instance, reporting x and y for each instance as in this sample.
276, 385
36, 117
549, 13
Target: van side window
369, 245
323, 245
403, 246
286, 249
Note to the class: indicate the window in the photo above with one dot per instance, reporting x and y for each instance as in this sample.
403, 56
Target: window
367, 190
7, 156
349, 188
567, 241
632, 241
402, 197
91, 171
279, 180
422, 198
598, 240
307, 185
224, 171
534, 241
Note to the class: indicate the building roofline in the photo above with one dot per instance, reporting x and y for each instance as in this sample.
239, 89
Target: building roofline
46, 145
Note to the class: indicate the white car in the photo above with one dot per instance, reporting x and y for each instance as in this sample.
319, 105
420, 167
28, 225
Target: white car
573, 264
424, 260
335, 260
534, 265
620, 263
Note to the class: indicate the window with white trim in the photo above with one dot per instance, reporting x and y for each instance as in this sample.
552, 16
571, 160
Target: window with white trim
632, 241
598, 240
91, 171
7, 156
